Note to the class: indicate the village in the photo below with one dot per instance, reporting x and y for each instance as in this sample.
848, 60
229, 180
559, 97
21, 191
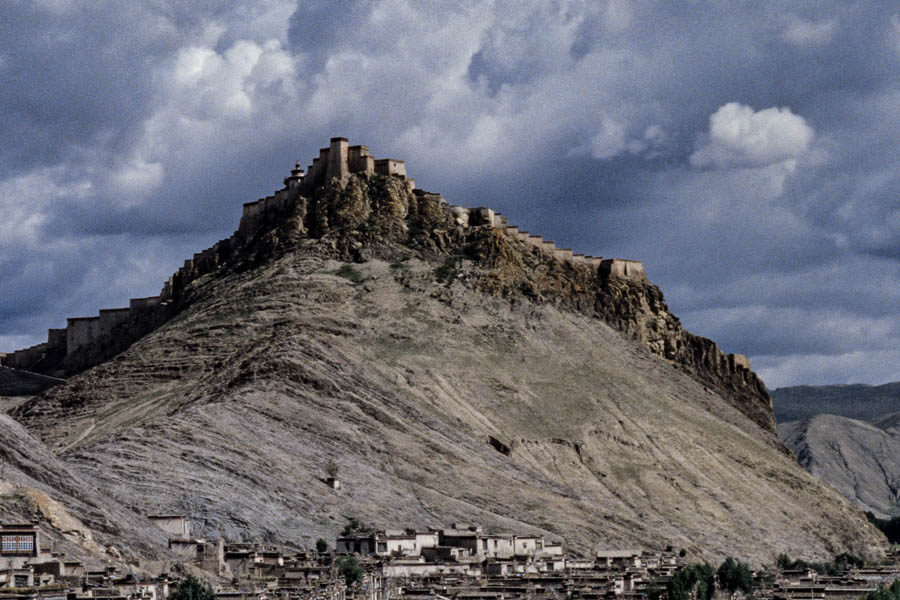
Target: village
462, 561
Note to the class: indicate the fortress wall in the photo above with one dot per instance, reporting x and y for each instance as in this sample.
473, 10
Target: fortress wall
23, 359
462, 215
253, 209
338, 159
738, 361
512, 231
620, 267
535, 240
322, 171
390, 166
136, 305
110, 317
80, 331
499, 221
358, 160
563, 253
56, 338
208, 259
634, 269
312, 172
481, 216
549, 246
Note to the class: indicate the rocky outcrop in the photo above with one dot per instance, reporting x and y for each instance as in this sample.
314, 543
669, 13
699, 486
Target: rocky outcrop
363, 216
371, 216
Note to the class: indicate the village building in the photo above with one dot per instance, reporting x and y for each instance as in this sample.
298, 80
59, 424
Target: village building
19, 544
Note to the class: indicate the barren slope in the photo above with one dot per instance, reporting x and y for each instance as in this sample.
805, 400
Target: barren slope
75, 517
402, 374
861, 460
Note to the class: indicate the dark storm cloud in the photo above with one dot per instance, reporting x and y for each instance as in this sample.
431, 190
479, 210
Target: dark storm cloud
743, 151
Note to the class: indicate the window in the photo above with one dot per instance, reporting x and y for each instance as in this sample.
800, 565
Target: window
8, 543
26, 543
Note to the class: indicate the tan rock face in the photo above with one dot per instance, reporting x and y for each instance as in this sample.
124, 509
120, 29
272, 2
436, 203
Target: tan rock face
367, 326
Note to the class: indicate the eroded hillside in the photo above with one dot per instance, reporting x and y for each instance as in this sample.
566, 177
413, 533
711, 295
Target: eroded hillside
455, 372
231, 411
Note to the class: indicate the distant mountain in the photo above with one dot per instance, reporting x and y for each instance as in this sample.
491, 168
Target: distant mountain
859, 459
863, 402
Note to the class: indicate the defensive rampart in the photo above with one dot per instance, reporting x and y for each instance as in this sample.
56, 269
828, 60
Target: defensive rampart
336, 162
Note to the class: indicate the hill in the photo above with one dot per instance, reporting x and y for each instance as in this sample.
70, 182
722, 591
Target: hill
76, 518
861, 460
858, 401
455, 368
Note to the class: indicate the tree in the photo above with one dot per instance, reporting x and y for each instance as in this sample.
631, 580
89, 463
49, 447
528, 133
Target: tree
354, 526
886, 593
889, 527
351, 570
734, 575
332, 468
321, 545
695, 582
191, 588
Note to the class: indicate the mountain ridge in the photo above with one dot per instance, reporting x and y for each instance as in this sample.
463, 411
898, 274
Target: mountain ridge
855, 401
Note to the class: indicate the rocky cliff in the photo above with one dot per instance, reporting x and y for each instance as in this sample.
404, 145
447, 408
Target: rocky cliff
454, 372
366, 217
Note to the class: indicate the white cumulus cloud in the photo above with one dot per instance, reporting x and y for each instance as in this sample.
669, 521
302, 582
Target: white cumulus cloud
741, 137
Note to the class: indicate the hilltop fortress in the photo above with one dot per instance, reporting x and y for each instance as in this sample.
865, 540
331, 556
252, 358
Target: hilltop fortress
88, 340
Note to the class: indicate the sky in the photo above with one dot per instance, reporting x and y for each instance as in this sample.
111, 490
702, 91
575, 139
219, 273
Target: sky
746, 152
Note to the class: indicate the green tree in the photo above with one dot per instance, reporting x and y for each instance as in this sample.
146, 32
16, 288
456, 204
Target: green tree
693, 582
321, 545
355, 526
734, 575
886, 593
191, 588
350, 570
889, 527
